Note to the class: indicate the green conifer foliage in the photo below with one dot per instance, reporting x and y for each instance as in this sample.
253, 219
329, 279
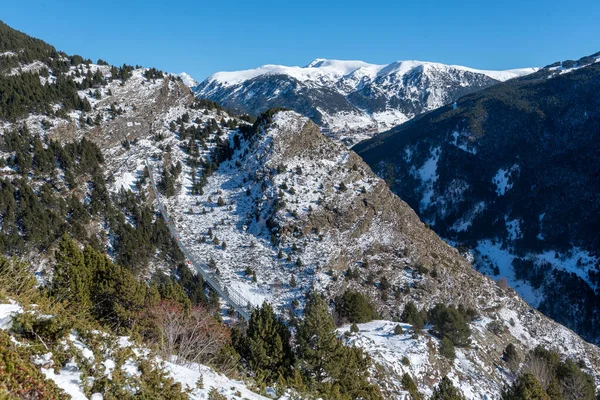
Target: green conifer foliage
446, 391
267, 346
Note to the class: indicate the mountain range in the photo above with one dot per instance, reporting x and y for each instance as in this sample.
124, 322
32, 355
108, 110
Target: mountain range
353, 99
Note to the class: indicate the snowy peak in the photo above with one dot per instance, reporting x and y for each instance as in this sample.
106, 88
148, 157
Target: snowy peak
333, 70
188, 80
352, 99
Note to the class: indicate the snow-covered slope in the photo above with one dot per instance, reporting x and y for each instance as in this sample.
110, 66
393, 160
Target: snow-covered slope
291, 202
97, 349
187, 80
288, 201
352, 98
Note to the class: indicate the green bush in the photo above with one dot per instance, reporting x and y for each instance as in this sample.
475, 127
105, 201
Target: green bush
409, 385
411, 315
510, 355
355, 307
214, 394
526, 387
561, 379
447, 348
446, 391
451, 323
20, 378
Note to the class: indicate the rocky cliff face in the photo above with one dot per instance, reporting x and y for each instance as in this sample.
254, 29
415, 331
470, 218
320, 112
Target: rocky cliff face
511, 174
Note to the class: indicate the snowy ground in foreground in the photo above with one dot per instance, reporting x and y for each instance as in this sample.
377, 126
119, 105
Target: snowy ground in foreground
69, 377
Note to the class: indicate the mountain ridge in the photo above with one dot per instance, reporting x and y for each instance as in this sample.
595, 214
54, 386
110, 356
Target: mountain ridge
353, 98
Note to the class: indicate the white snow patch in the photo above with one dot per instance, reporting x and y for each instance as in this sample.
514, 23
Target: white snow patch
7, 313
493, 254
513, 227
189, 375
428, 175
463, 146
503, 179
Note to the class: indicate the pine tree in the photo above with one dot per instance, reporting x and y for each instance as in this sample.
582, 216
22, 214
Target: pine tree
72, 277
409, 385
447, 348
451, 323
411, 315
267, 346
318, 345
355, 307
526, 387
446, 391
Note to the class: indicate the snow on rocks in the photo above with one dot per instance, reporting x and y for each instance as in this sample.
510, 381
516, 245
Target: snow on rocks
417, 355
7, 313
189, 375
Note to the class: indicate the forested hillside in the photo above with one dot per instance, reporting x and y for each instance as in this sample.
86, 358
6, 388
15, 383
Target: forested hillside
512, 174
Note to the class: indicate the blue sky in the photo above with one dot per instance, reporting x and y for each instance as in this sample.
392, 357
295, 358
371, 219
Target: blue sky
202, 37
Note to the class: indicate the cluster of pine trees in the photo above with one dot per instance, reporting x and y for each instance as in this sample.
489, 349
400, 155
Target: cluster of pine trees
68, 176
315, 362
153, 73
23, 93
25, 48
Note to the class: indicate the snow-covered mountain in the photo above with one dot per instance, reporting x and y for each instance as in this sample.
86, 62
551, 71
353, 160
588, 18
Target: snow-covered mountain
188, 80
290, 202
353, 99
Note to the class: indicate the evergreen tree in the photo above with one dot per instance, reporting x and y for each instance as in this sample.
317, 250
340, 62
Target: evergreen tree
409, 385
447, 348
118, 297
318, 345
355, 307
411, 315
267, 346
446, 391
451, 323
72, 277
527, 387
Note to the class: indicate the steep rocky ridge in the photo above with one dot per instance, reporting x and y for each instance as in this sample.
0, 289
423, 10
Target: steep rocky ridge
283, 212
